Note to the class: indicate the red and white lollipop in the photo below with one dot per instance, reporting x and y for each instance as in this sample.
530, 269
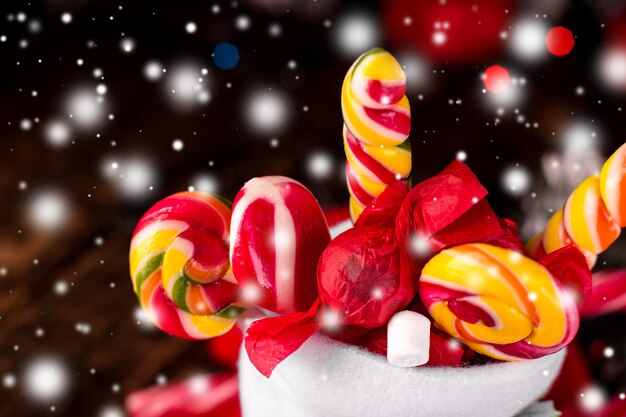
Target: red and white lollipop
278, 232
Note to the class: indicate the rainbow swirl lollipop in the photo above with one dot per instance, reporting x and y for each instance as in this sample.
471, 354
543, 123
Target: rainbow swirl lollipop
180, 269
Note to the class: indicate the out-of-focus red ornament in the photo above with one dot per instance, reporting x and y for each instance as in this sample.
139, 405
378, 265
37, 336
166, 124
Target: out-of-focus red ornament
225, 349
560, 41
455, 31
496, 79
611, 63
616, 30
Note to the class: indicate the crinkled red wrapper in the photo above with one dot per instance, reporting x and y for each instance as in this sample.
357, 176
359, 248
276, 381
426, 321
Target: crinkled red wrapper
370, 272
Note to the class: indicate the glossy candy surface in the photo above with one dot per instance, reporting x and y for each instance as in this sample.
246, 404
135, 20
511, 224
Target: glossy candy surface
377, 123
556, 237
498, 302
613, 185
180, 269
587, 220
278, 232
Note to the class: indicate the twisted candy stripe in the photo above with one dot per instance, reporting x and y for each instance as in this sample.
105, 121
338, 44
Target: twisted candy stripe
377, 122
498, 302
613, 185
592, 216
180, 269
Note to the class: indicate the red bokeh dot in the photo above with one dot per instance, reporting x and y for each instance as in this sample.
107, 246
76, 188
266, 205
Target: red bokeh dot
560, 41
496, 79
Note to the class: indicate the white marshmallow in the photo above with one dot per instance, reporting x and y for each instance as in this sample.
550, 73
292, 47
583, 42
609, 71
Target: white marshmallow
408, 339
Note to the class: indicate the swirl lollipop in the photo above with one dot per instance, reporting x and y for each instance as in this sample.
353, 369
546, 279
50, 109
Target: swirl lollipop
592, 215
377, 122
498, 302
180, 269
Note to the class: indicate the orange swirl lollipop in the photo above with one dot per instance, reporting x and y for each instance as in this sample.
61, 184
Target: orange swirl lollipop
498, 302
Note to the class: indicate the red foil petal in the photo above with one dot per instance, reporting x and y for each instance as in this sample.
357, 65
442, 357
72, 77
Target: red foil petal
608, 294
383, 210
270, 341
435, 203
569, 266
447, 210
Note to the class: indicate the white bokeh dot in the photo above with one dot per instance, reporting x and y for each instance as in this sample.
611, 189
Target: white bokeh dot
516, 180
127, 45
26, 124
191, 27
66, 18
153, 70
111, 410
9, 381
46, 378
267, 111
592, 398
320, 165
85, 108
274, 30
186, 86
178, 145
143, 320
48, 209
242, 22
61, 287
612, 67
57, 133
356, 32
528, 40
206, 183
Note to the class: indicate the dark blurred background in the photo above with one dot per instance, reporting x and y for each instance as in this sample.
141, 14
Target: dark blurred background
108, 106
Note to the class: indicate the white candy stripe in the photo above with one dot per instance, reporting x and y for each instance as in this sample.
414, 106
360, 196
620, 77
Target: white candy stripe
187, 248
592, 202
479, 303
187, 324
148, 232
429, 279
284, 237
471, 260
157, 226
382, 130
613, 191
359, 86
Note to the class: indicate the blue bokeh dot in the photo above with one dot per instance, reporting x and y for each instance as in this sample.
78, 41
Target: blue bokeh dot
226, 55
